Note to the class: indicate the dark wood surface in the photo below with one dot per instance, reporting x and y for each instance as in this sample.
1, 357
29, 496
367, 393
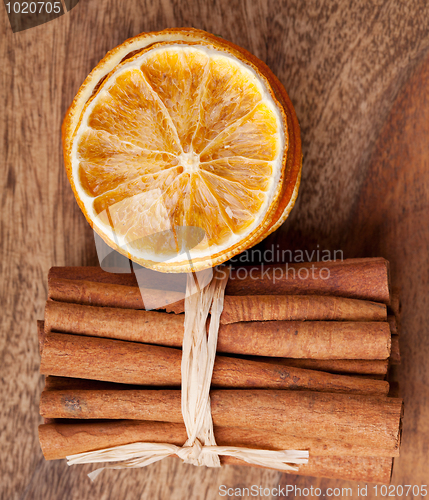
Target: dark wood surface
358, 75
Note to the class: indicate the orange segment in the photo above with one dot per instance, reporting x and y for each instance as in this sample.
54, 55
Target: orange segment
128, 201
155, 230
180, 200
238, 205
178, 78
131, 111
206, 213
254, 136
228, 95
105, 161
251, 174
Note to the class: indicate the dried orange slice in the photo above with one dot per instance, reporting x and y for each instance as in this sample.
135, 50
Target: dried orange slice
182, 150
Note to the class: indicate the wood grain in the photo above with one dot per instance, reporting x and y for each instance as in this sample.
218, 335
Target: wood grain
344, 65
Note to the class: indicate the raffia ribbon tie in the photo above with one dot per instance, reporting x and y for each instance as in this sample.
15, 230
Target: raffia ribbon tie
198, 357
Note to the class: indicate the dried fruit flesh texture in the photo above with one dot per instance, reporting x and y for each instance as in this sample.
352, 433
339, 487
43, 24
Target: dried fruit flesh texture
179, 136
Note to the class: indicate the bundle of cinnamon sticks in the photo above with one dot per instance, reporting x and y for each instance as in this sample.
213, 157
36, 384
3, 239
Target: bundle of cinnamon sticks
302, 364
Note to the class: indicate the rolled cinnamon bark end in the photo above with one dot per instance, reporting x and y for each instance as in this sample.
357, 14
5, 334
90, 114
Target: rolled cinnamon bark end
41, 334
358, 420
300, 308
59, 440
289, 339
140, 364
395, 305
395, 355
394, 391
366, 279
393, 323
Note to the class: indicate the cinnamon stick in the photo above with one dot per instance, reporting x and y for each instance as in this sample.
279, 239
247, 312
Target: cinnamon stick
236, 308
289, 339
300, 308
141, 364
289, 308
107, 294
366, 279
359, 420
59, 440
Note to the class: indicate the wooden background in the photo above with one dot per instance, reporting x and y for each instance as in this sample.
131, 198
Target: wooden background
358, 75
